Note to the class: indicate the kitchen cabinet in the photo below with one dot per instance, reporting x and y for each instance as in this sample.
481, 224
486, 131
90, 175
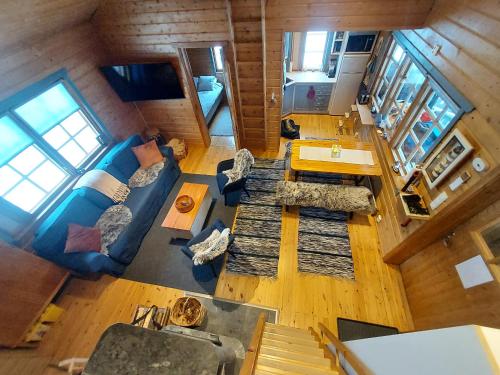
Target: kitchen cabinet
318, 103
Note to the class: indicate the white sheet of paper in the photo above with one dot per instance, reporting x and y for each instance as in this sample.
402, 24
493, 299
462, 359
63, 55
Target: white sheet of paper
473, 271
347, 155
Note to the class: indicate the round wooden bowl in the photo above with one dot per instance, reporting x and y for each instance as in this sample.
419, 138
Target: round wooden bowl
184, 203
188, 312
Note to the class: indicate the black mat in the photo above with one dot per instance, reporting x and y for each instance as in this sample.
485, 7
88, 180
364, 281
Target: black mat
356, 330
162, 263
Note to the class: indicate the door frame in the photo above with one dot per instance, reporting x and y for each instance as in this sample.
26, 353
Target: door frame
228, 87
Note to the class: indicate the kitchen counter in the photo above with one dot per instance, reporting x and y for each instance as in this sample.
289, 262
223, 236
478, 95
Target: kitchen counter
310, 77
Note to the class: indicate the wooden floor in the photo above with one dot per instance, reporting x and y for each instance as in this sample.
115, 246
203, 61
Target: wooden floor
303, 300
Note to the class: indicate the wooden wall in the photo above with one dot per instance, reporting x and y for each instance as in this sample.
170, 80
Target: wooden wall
331, 15
470, 58
22, 21
435, 293
200, 60
246, 18
81, 53
146, 31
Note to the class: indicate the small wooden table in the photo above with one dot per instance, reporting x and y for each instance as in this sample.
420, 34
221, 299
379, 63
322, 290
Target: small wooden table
303, 165
189, 224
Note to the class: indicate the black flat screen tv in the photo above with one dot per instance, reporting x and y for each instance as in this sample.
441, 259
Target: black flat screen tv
137, 82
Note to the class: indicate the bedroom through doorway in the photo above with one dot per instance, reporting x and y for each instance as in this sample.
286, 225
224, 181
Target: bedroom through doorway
210, 82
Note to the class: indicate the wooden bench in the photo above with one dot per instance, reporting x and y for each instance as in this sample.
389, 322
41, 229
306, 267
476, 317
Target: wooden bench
348, 198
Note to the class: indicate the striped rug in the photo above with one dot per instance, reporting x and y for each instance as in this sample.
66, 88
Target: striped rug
324, 246
257, 227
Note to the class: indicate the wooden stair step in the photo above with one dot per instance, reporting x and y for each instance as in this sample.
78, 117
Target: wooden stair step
306, 349
288, 367
291, 339
275, 328
315, 352
295, 356
265, 370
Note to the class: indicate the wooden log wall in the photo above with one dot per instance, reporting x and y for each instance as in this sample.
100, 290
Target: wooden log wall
81, 53
469, 57
246, 22
331, 15
201, 61
147, 31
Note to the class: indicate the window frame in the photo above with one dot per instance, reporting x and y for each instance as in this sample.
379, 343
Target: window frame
7, 108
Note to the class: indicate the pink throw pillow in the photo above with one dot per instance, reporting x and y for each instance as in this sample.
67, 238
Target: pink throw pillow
82, 239
147, 154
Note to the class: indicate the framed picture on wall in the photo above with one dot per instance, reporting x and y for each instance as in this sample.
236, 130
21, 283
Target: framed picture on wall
452, 151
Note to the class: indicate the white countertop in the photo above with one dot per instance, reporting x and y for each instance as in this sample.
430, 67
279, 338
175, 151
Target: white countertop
310, 77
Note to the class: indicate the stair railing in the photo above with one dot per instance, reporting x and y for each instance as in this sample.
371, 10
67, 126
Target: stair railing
250, 361
342, 353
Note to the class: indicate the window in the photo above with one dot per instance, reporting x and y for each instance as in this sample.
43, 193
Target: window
398, 104
434, 116
314, 50
217, 54
47, 139
389, 72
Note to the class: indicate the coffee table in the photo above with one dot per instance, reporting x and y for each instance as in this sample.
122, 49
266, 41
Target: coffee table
189, 224
359, 170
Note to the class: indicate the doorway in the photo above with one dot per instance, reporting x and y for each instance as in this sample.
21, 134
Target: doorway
211, 89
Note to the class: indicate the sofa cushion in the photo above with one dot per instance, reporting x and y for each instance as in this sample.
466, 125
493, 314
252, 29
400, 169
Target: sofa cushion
82, 239
122, 158
147, 154
50, 238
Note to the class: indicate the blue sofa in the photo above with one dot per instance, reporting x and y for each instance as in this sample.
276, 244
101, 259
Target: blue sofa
84, 206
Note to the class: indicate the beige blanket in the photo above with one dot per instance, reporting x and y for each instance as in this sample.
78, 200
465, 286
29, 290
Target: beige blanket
105, 183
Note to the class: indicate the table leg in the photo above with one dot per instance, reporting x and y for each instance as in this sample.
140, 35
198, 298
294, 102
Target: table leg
292, 176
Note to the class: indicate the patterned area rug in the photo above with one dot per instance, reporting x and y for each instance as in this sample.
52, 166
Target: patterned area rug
258, 223
324, 246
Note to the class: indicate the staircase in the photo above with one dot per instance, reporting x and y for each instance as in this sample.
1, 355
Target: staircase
287, 350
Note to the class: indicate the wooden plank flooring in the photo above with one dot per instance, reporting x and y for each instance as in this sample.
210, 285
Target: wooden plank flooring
303, 300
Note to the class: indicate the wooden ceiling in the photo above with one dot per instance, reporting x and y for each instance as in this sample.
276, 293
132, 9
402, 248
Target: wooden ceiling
22, 21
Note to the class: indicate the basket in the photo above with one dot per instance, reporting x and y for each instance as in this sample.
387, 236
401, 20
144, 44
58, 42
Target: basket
188, 312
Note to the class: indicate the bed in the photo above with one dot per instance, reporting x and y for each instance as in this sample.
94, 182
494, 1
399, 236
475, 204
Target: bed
210, 100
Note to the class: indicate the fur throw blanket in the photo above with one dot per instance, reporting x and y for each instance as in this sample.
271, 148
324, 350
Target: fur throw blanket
215, 245
243, 161
111, 224
144, 177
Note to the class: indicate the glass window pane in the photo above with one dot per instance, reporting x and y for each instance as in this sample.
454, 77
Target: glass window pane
431, 139
72, 153
26, 196
382, 91
8, 178
56, 137
393, 116
87, 138
12, 139
391, 71
27, 160
408, 146
398, 53
314, 49
218, 58
436, 105
48, 109
422, 125
48, 176
74, 123
446, 118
